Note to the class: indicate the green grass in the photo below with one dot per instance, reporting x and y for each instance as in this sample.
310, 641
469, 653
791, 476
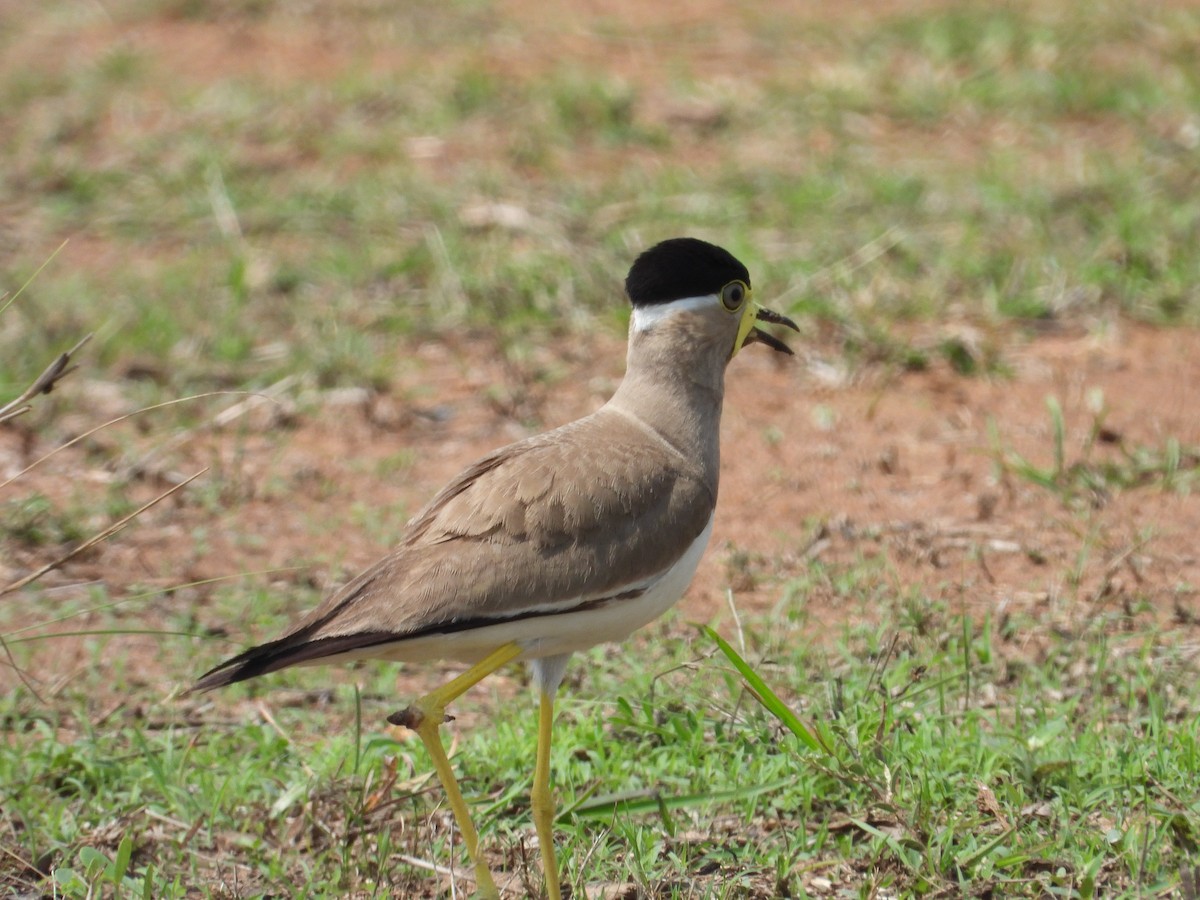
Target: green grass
955, 757
1092, 477
1020, 164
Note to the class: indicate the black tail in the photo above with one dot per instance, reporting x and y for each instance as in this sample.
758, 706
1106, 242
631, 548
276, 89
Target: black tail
251, 663
283, 653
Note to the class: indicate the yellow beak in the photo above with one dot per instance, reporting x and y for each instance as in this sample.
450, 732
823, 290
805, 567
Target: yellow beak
748, 334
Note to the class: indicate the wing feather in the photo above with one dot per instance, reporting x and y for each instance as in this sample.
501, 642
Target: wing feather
573, 515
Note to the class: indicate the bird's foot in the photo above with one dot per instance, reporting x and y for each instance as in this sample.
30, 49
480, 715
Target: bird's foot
413, 717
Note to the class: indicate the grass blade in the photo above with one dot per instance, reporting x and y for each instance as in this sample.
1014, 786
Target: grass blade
767, 697
648, 801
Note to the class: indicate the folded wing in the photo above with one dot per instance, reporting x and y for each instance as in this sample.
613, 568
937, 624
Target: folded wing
536, 528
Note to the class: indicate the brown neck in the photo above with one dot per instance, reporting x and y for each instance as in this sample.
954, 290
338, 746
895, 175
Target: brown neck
674, 384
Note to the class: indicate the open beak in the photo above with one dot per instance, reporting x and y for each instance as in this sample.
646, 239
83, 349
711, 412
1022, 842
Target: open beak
749, 334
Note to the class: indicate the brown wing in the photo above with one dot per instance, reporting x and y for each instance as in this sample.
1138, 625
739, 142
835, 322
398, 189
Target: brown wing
577, 513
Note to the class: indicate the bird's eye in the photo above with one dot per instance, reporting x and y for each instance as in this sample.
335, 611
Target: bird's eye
733, 295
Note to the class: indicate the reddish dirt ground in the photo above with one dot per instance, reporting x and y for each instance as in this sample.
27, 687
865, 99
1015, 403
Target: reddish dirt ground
899, 468
903, 469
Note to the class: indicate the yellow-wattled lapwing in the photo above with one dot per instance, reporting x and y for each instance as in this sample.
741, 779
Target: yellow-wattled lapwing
560, 541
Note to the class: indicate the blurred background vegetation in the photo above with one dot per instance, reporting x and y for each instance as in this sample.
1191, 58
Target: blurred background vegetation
250, 189
244, 195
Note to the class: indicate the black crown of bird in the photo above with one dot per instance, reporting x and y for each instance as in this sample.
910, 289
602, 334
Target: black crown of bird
561, 541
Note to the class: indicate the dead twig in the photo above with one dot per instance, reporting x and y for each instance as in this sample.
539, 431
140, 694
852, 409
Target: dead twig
226, 417
12, 663
43, 384
9, 301
98, 537
54, 564
87, 434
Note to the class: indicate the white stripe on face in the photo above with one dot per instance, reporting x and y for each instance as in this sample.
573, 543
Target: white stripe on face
648, 316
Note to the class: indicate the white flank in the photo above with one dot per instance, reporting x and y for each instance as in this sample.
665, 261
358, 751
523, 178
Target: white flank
555, 634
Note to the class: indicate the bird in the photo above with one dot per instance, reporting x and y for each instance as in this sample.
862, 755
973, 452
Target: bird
563, 540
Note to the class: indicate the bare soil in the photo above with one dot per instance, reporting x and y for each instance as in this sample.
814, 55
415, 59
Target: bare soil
910, 473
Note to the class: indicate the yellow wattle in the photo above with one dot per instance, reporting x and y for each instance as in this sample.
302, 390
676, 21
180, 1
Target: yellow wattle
749, 317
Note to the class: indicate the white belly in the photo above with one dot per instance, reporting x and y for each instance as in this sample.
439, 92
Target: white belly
569, 632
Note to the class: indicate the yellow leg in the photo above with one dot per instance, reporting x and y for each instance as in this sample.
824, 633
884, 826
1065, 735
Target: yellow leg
543, 796
425, 717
